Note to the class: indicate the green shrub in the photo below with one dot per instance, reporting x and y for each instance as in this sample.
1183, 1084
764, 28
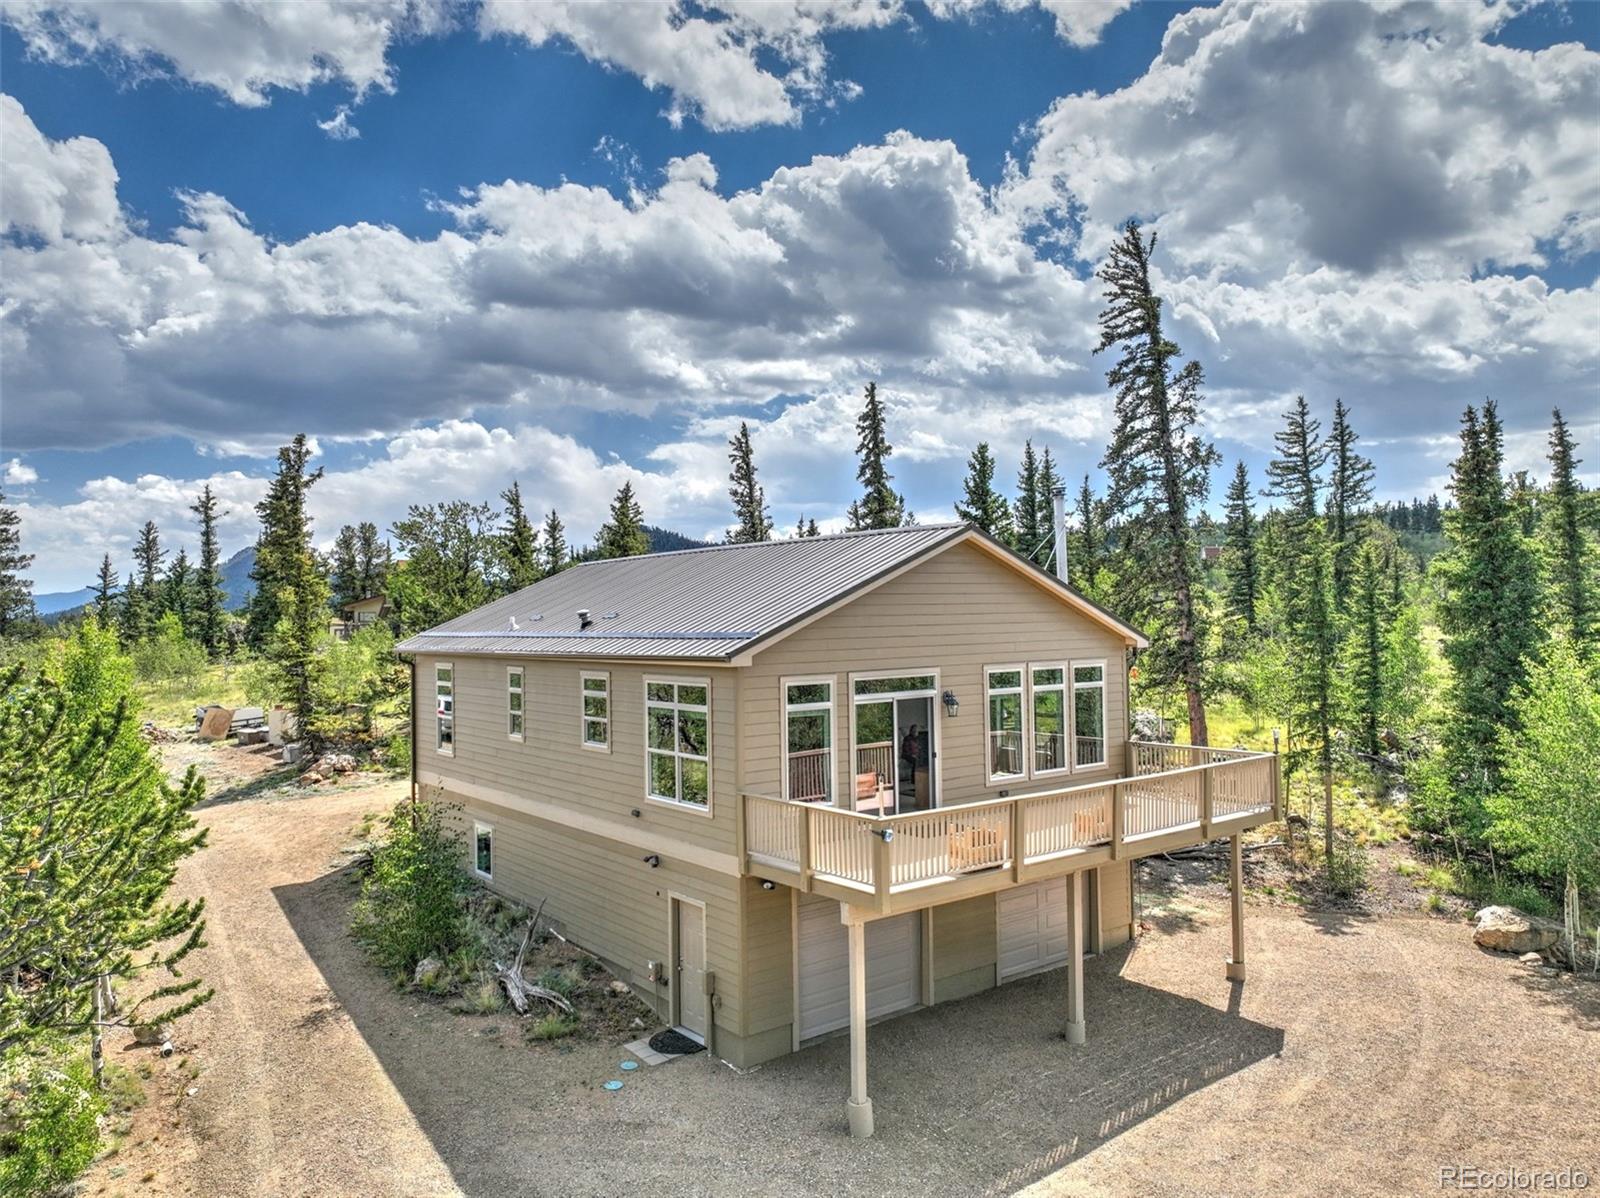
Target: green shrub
1433, 903
1347, 869
483, 997
411, 902
562, 981
49, 1121
168, 659
395, 753
552, 1027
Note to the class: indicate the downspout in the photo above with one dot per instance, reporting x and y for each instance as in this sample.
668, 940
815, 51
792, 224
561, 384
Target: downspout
413, 729
1058, 509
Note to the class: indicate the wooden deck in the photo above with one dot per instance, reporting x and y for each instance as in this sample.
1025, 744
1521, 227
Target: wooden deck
1176, 796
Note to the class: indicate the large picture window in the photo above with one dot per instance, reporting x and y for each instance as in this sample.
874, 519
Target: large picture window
678, 741
1049, 719
444, 706
514, 712
808, 740
596, 711
1003, 685
1089, 713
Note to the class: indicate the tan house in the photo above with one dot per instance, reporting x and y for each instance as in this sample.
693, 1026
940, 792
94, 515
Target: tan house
787, 788
353, 617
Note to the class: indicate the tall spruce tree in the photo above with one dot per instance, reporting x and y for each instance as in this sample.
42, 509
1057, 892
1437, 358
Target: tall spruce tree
17, 612
210, 600
177, 591
807, 528
1032, 519
553, 545
283, 541
1488, 609
1310, 624
1239, 549
105, 594
623, 535
1569, 551
1349, 491
753, 523
141, 600
880, 506
1158, 467
1088, 551
519, 543
1366, 646
1050, 481
344, 572
980, 504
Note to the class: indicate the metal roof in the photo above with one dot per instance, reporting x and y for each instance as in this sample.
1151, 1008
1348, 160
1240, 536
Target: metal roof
692, 604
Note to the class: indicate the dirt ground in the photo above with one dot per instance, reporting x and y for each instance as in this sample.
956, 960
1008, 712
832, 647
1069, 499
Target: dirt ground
1364, 1053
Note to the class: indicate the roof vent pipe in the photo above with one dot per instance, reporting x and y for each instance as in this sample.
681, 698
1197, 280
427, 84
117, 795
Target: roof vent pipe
583, 619
1058, 516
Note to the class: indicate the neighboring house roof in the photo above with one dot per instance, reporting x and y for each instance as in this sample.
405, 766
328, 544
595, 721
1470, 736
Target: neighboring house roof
713, 604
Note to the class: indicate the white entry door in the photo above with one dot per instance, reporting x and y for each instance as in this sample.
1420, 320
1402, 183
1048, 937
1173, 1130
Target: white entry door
1033, 927
689, 972
894, 966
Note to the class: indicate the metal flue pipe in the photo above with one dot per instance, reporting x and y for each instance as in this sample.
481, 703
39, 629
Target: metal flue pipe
1058, 514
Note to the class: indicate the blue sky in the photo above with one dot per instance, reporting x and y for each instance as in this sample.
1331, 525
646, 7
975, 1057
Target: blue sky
576, 246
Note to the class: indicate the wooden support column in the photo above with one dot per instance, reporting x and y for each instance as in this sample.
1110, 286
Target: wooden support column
1076, 1033
1236, 894
858, 1108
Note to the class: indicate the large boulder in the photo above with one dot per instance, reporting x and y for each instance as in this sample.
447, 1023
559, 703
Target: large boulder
1507, 930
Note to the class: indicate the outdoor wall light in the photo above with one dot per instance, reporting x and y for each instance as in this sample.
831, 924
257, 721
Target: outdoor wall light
653, 861
951, 705
769, 885
886, 833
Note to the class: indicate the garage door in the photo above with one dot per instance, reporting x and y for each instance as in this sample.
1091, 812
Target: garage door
894, 966
1033, 927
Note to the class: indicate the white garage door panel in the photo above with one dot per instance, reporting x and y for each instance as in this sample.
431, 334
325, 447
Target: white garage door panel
1033, 927
894, 966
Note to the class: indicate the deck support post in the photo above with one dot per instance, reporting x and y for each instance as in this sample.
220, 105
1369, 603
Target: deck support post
1076, 1032
1236, 895
858, 1109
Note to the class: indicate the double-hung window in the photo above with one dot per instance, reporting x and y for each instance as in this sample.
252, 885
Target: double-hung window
444, 697
1004, 693
514, 712
677, 741
1089, 713
808, 740
1049, 718
596, 710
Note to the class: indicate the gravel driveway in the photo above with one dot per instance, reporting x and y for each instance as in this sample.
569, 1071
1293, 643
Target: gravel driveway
1360, 1057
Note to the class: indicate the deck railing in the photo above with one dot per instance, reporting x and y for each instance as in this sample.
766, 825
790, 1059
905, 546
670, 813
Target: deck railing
808, 775
884, 855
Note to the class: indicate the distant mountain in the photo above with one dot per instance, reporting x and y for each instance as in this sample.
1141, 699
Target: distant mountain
53, 602
664, 540
235, 584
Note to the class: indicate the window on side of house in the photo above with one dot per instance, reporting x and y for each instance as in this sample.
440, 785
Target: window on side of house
808, 740
1003, 685
444, 695
483, 850
1049, 718
677, 736
1089, 714
596, 710
514, 711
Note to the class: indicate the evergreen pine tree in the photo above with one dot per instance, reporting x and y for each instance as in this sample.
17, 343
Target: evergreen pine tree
553, 545
1349, 491
105, 594
283, 542
1306, 586
1488, 608
807, 528
623, 534
1088, 551
1049, 483
452, 553
210, 601
141, 601
1032, 519
880, 506
177, 591
1365, 648
344, 570
981, 505
1244, 585
749, 500
1569, 552
1158, 467
519, 543
17, 612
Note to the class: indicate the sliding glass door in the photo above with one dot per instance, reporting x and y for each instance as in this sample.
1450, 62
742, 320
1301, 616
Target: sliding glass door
896, 744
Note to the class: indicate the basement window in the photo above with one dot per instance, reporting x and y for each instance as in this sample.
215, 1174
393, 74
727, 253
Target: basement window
483, 850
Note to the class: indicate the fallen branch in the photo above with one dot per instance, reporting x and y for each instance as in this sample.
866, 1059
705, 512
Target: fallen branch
1209, 854
519, 990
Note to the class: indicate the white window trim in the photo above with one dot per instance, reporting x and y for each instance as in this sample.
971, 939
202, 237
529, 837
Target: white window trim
831, 707
438, 741
1105, 746
1067, 749
676, 680
480, 828
936, 744
1024, 705
584, 718
520, 690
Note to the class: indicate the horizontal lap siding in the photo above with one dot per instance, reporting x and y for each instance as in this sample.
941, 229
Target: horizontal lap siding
551, 765
1116, 903
604, 896
768, 958
964, 936
958, 613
